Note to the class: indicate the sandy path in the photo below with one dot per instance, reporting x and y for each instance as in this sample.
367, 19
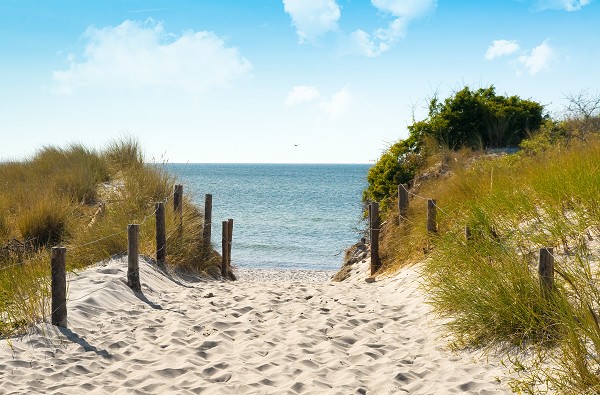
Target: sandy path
248, 337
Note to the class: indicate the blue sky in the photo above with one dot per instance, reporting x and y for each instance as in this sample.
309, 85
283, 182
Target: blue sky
300, 81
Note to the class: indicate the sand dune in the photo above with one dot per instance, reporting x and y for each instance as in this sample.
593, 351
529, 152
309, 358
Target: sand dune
254, 336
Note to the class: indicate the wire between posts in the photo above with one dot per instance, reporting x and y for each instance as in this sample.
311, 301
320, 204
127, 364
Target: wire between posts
97, 241
74, 247
425, 199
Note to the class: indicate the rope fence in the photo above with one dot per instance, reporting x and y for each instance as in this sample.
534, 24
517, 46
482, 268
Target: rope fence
546, 261
59, 283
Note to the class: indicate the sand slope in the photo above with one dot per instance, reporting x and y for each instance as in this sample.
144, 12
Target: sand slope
248, 337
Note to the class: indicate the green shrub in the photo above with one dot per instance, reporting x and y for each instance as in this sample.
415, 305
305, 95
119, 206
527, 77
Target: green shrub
397, 165
550, 134
468, 119
479, 119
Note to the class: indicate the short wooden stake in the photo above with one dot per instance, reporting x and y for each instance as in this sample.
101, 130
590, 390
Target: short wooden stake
431, 216
224, 248
161, 235
374, 235
133, 266
229, 241
402, 200
546, 271
59, 286
206, 232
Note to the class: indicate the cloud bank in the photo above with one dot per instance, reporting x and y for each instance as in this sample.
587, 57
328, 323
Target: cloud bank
500, 48
538, 59
312, 18
301, 94
334, 107
402, 12
566, 5
338, 104
534, 61
137, 54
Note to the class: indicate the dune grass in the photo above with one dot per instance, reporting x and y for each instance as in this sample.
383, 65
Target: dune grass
84, 200
487, 287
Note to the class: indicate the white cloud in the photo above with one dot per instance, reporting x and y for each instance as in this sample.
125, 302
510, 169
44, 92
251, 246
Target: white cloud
403, 12
312, 18
141, 55
301, 94
566, 5
365, 45
338, 104
500, 48
539, 58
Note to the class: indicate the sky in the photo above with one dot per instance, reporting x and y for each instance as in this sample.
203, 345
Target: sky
273, 81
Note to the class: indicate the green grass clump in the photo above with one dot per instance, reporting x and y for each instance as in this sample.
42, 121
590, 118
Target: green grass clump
487, 286
84, 200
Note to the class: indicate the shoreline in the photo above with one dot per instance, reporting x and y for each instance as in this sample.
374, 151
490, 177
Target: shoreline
284, 275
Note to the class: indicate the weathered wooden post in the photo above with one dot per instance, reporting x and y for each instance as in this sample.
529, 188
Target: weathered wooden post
133, 266
206, 232
374, 235
178, 199
59, 286
229, 240
161, 235
468, 235
431, 216
178, 206
224, 248
546, 271
402, 201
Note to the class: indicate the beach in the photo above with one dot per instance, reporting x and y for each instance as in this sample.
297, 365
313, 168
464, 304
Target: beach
271, 332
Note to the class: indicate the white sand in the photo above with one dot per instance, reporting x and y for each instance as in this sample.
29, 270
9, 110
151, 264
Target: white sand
254, 336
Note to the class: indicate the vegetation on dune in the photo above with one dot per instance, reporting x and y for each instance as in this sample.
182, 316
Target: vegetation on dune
468, 119
84, 200
487, 285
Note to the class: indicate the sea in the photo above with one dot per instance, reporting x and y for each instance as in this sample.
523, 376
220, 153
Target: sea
286, 216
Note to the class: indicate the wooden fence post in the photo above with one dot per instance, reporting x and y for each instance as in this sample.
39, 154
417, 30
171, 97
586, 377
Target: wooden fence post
468, 235
229, 240
431, 216
59, 287
546, 271
224, 248
178, 198
178, 205
206, 232
374, 235
161, 235
133, 266
402, 200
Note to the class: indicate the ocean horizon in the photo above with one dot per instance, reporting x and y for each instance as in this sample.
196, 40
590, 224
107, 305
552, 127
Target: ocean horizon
286, 215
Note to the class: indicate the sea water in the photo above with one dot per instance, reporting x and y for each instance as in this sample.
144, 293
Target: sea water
286, 216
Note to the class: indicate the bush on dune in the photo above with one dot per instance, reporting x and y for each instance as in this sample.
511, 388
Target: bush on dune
468, 119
